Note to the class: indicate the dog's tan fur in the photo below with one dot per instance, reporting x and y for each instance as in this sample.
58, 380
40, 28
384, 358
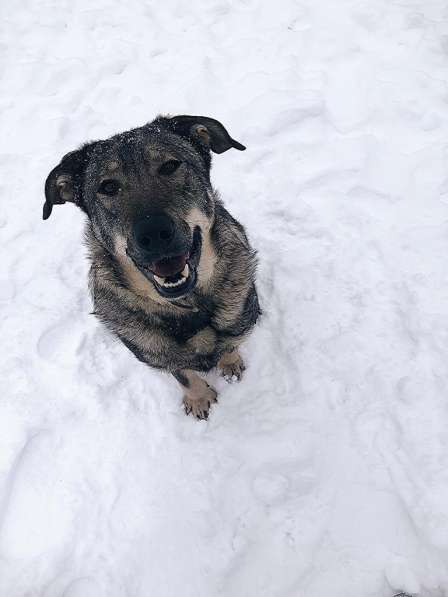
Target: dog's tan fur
199, 396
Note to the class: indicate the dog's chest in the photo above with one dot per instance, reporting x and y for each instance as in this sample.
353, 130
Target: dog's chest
184, 326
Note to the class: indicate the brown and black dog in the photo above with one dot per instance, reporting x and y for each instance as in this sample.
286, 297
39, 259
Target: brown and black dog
172, 272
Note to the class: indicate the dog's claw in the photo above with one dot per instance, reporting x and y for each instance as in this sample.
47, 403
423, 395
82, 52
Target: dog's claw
199, 406
232, 372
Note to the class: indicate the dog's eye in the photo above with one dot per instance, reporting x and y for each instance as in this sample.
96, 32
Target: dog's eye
169, 167
109, 187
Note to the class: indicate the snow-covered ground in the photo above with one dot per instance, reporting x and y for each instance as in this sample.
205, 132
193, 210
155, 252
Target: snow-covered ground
325, 472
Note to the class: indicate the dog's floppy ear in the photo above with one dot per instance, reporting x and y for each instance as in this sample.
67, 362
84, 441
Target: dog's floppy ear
64, 183
206, 130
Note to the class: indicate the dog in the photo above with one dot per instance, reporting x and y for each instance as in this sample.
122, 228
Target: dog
172, 272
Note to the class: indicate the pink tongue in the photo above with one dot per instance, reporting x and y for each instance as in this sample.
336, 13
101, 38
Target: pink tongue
169, 267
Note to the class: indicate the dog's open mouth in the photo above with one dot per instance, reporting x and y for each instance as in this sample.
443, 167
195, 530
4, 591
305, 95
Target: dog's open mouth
175, 276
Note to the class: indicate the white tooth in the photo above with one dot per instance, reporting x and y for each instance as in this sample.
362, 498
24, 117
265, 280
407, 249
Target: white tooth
159, 280
171, 284
184, 272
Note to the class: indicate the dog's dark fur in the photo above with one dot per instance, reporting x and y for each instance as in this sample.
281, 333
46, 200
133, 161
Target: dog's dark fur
204, 327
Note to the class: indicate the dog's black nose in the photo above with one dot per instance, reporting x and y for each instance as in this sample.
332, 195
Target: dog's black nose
154, 232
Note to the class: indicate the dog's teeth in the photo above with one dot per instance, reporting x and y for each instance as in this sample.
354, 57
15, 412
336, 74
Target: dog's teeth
183, 276
171, 284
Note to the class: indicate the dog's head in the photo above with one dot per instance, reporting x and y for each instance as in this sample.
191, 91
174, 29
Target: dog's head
147, 194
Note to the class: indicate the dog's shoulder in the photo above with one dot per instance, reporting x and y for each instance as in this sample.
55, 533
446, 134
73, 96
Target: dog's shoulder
232, 290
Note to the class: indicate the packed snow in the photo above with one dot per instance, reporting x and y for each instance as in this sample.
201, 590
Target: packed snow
325, 471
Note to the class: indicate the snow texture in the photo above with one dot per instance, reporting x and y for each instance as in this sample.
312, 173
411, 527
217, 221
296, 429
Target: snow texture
325, 471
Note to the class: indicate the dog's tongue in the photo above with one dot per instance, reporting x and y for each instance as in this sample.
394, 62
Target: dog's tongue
169, 267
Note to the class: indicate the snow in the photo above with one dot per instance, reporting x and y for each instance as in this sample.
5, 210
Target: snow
325, 471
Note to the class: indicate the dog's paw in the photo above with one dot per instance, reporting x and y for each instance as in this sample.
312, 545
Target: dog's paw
231, 370
199, 406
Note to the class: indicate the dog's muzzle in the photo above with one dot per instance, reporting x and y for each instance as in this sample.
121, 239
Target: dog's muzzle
167, 256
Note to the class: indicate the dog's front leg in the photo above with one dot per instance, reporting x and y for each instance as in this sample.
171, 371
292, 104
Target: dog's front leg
199, 396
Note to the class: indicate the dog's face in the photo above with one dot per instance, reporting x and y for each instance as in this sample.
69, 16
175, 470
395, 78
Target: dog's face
148, 196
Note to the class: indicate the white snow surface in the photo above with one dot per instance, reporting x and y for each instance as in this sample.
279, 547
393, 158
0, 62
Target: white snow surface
325, 471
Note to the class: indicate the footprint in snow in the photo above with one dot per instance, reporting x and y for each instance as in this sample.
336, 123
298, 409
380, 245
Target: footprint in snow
62, 342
